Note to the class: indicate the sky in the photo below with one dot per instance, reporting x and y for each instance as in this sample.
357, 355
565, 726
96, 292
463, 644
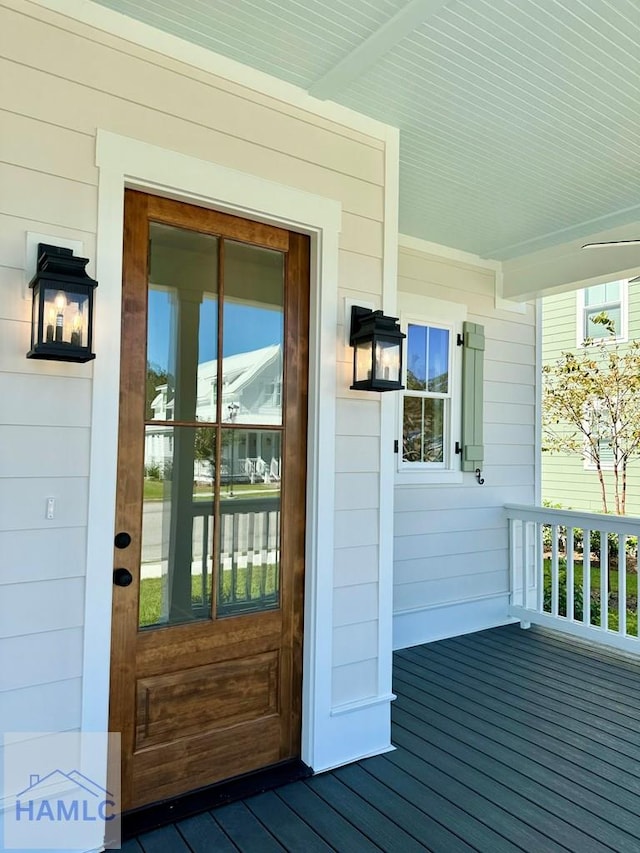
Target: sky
246, 328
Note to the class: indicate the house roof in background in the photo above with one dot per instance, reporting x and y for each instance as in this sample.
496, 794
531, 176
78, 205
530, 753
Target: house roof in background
520, 122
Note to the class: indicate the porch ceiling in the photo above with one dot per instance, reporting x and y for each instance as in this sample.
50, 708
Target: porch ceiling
520, 122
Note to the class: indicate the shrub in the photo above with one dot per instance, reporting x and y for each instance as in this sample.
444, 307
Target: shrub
578, 598
152, 471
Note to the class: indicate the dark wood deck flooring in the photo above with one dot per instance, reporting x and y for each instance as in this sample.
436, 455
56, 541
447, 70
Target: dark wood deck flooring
507, 740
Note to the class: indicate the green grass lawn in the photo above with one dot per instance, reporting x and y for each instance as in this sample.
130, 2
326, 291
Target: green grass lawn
632, 577
154, 490
261, 581
613, 616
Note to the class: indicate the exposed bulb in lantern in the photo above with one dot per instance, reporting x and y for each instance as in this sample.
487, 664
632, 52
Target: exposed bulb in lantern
61, 303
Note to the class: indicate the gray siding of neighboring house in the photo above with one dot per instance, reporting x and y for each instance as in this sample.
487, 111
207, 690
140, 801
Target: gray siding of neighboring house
565, 480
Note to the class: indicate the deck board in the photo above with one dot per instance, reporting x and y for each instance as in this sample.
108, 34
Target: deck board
294, 832
164, 840
569, 711
245, 830
203, 835
507, 740
389, 835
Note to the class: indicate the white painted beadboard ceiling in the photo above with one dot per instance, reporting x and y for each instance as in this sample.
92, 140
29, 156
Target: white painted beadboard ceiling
519, 119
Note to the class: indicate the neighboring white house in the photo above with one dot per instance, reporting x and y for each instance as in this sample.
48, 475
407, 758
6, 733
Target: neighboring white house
252, 394
398, 547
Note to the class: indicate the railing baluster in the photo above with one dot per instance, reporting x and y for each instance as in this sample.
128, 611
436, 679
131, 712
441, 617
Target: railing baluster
511, 530
234, 556
205, 556
604, 579
539, 569
251, 521
569, 574
622, 584
554, 569
525, 561
586, 576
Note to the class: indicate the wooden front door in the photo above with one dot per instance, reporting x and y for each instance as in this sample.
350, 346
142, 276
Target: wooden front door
209, 546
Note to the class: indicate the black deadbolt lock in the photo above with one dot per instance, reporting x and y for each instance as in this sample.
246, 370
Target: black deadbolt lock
122, 577
122, 540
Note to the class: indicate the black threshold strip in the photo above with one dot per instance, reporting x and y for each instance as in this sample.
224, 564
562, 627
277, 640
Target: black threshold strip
175, 809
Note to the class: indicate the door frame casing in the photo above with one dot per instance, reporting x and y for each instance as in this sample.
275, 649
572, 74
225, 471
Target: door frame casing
128, 163
330, 736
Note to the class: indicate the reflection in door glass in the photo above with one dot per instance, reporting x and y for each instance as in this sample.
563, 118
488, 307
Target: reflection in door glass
249, 557
177, 525
182, 327
253, 334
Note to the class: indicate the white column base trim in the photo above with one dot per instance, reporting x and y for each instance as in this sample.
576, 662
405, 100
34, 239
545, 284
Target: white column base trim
359, 704
353, 736
390, 748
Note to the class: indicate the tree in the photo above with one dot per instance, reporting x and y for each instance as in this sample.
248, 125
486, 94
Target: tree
591, 405
156, 377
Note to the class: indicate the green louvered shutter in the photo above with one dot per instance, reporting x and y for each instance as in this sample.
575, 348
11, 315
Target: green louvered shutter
472, 403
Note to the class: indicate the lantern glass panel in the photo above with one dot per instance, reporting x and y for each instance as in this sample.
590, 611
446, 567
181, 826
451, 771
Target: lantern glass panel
363, 361
66, 317
35, 317
388, 361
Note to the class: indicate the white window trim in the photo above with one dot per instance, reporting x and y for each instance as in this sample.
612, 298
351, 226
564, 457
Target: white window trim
425, 310
623, 337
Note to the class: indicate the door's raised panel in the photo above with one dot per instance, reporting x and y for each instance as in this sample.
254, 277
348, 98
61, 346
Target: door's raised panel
206, 699
190, 763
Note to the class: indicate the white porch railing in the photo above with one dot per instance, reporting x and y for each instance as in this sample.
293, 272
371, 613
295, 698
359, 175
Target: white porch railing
575, 572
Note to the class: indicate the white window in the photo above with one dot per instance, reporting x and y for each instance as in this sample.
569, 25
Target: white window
429, 407
600, 441
608, 299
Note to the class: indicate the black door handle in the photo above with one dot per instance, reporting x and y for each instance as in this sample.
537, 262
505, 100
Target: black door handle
122, 577
122, 540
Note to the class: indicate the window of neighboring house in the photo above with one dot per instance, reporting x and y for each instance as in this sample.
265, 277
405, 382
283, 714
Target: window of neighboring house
429, 415
600, 428
610, 299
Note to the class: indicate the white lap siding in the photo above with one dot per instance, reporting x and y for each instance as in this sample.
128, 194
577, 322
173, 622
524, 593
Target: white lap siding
63, 80
450, 541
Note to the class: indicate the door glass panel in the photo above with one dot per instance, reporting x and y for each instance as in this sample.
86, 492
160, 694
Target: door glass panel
182, 325
253, 334
249, 548
177, 525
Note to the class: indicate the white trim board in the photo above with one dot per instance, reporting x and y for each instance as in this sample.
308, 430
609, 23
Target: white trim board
437, 250
326, 740
428, 624
387, 429
144, 35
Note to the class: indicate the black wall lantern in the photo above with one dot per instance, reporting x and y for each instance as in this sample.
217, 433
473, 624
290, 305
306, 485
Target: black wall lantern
377, 351
62, 312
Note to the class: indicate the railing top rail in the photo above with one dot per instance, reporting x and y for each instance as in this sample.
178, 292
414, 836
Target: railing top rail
237, 506
575, 518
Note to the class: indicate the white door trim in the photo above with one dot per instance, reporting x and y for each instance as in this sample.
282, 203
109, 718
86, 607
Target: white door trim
125, 162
